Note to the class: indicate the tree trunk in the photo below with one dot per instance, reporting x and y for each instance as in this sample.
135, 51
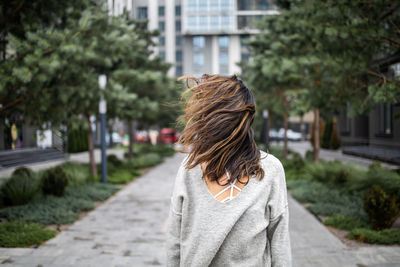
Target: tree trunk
316, 135
131, 139
285, 140
93, 166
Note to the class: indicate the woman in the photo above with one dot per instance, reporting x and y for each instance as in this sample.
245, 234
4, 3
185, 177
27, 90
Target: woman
229, 205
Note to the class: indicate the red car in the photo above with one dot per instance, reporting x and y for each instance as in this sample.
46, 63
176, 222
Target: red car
168, 136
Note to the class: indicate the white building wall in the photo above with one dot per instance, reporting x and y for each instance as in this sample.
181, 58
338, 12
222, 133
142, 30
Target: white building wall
170, 35
234, 54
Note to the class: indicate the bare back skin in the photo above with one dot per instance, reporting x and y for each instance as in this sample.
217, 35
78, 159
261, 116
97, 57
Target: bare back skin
215, 188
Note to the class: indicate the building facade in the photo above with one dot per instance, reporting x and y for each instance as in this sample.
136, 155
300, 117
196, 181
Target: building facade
199, 36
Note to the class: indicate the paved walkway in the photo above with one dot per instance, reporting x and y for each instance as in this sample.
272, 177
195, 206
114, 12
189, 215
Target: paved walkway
129, 230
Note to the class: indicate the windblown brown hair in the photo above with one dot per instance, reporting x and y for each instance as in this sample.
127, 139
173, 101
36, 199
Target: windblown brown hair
219, 113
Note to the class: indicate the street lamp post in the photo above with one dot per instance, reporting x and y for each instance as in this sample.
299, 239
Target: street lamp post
103, 111
265, 115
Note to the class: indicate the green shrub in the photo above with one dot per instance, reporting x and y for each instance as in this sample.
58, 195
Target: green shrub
381, 208
309, 156
23, 234
23, 171
145, 160
54, 181
114, 160
49, 210
327, 134
19, 189
326, 200
387, 179
93, 192
77, 173
345, 223
386, 236
77, 140
335, 139
120, 177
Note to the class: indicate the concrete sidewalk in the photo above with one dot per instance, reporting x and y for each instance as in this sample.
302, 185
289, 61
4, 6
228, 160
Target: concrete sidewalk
129, 230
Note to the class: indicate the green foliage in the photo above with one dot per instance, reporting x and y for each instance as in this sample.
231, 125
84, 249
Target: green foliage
120, 177
335, 140
23, 171
114, 160
381, 208
60, 210
387, 179
386, 236
20, 188
77, 173
345, 223
145, 160
54, 181
326, 200
77, 140
23, 234
92, 192
309, 156
327, 134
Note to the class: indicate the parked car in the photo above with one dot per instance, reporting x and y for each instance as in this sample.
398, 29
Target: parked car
275, 135
168, 136
141, 137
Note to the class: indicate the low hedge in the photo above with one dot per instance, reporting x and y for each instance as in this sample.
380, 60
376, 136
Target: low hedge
386, 236
60, 210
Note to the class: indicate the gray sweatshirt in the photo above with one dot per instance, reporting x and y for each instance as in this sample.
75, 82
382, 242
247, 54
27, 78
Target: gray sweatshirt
249, 230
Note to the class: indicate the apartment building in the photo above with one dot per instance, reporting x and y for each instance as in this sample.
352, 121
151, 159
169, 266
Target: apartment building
199, 36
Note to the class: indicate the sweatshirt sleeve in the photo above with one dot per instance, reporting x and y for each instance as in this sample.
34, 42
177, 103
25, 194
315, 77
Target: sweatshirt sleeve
278, 228
174, 223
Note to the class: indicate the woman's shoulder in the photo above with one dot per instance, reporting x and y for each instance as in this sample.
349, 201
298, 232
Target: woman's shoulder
270, 161
273, 169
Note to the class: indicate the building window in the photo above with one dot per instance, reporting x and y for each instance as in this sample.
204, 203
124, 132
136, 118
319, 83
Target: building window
245, 57
178, 10
253, 4
223, 58
161, 11
179, 70
223, 41
178, 56
161, 41
385, 126
191, 22
226, 5
178, 40
162, 55
199, 42
142, 12
203, 5
198, 60
161, 26
243, 40
178, 25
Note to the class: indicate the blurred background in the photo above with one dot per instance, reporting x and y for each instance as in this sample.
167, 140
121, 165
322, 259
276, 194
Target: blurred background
325, 74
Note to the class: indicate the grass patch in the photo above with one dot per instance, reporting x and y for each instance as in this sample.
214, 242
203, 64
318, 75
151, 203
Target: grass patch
345, 223
327, 201
77, 173
60, 210
386, 236
23, 234
120, 177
